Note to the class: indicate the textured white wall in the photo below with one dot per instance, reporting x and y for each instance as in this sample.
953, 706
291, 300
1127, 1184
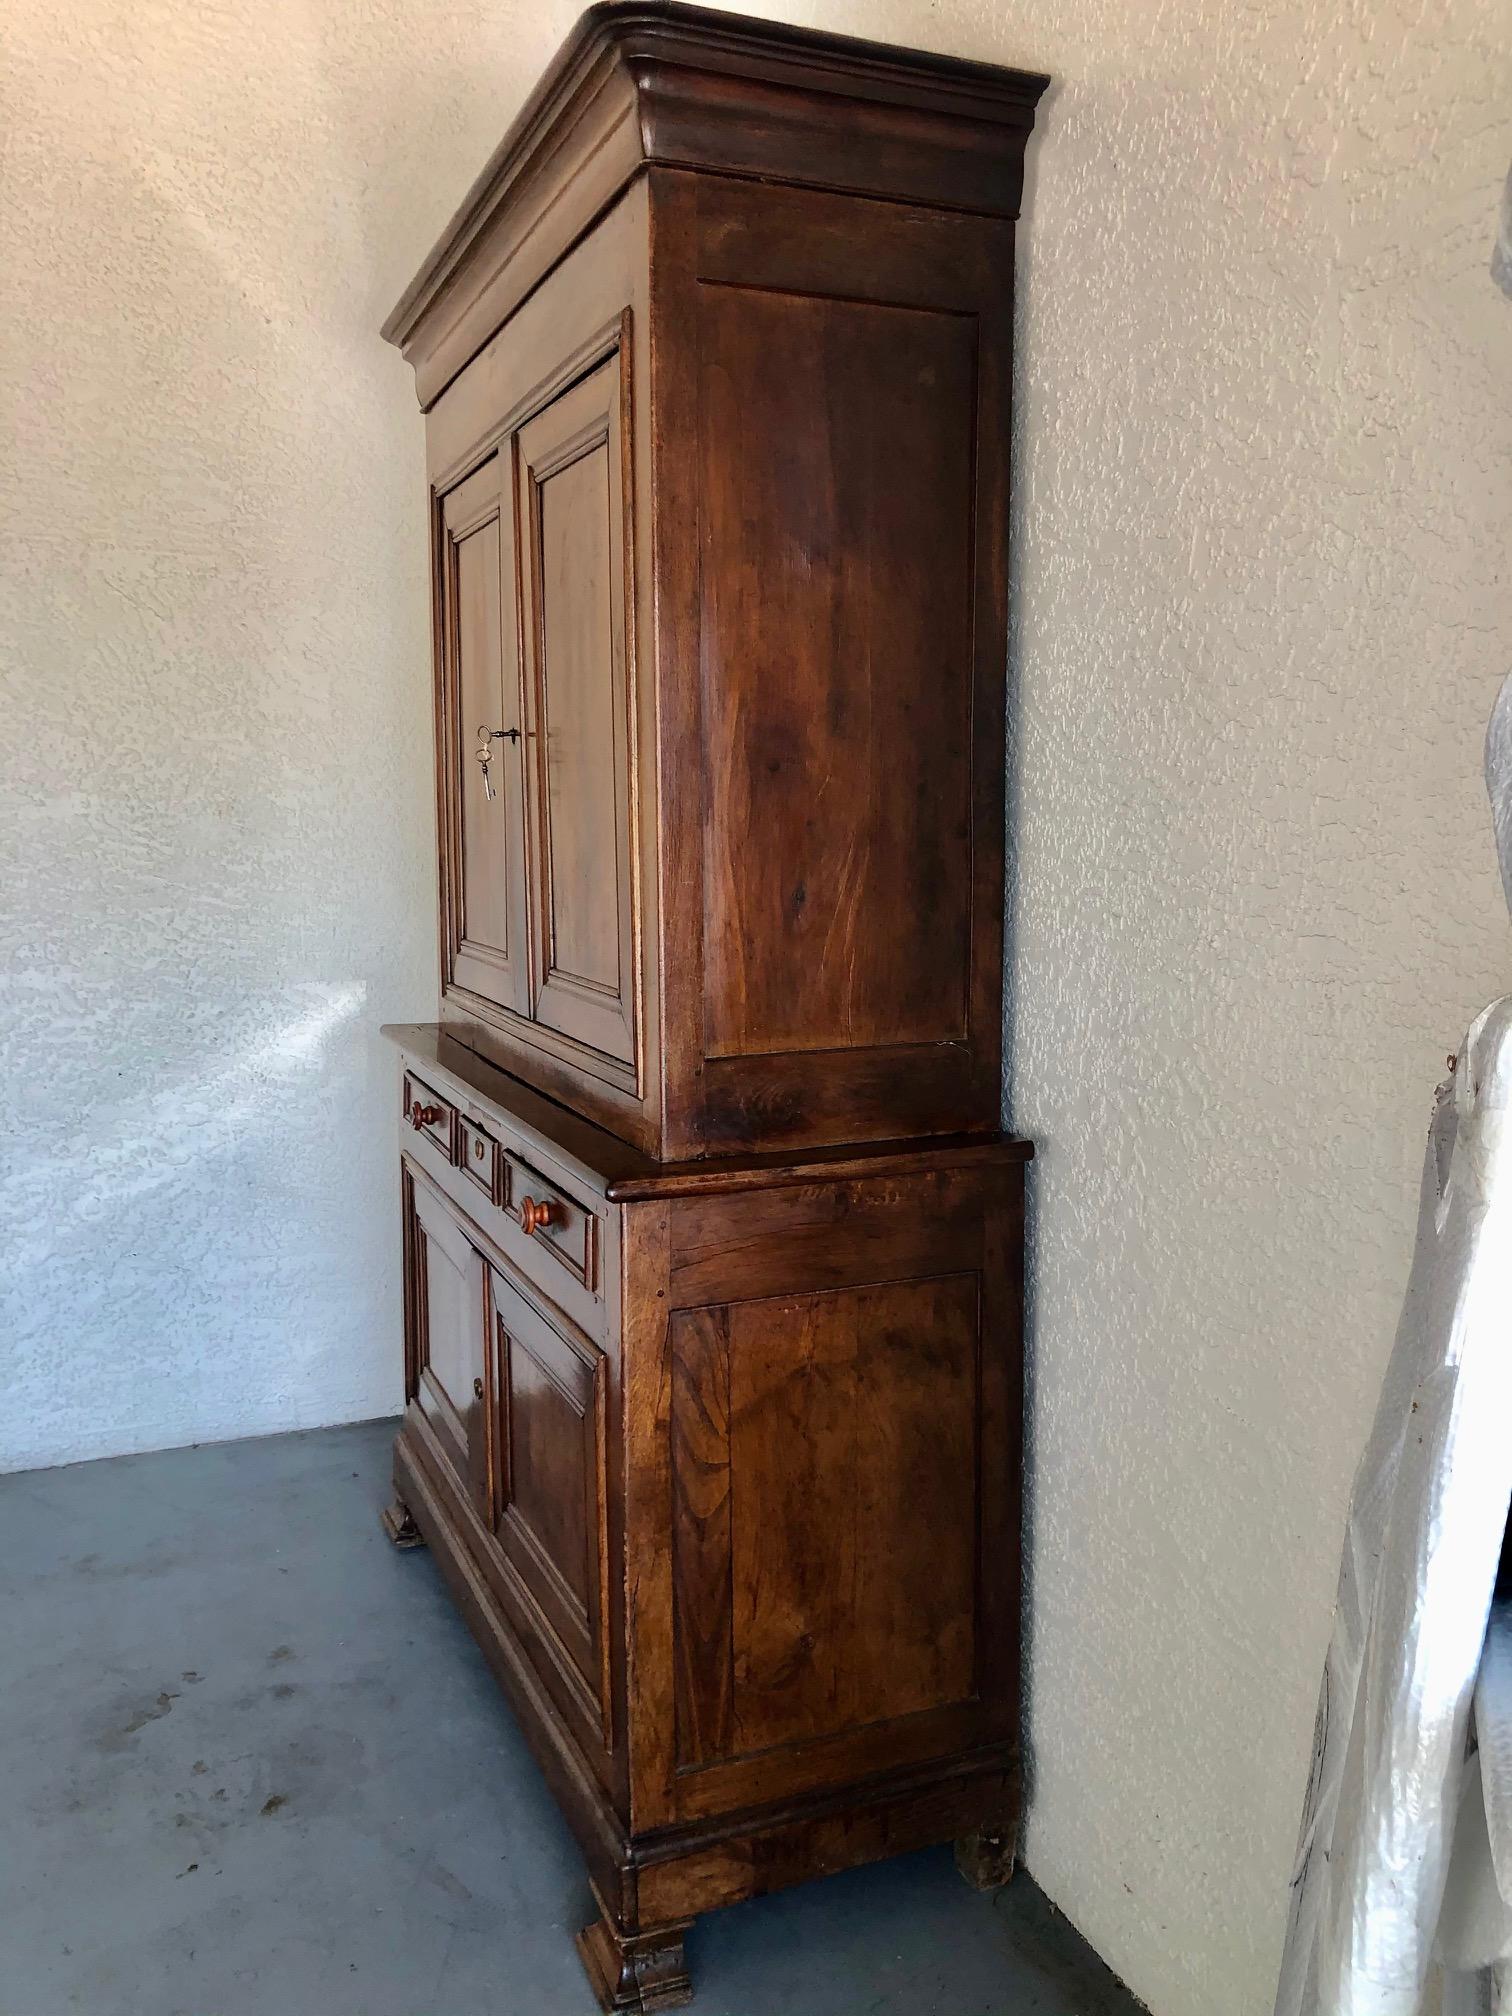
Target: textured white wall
215, 809
1264, 492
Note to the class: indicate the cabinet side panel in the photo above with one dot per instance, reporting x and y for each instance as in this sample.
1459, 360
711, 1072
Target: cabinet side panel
830, 537
842, 1549
824, 1458
836, 440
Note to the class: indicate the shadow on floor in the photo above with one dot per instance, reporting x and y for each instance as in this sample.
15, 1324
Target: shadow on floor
254, 1766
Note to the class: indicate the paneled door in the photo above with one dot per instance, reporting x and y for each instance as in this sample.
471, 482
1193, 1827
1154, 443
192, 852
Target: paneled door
551, 1498
571, 469
482, 797
446, 1322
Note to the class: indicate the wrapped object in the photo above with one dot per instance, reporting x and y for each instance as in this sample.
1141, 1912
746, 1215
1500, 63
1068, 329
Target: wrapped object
1390, 1780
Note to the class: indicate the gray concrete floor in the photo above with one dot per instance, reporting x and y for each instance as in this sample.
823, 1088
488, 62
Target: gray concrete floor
252, 1764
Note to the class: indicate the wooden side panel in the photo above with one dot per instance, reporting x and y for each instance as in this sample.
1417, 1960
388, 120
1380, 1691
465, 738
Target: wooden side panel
823, 1452
571, 460
831, 576
482, 803
702, 1537
837, 442
825, 1542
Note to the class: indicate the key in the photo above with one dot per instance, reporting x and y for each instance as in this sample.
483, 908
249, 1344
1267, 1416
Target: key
484, 754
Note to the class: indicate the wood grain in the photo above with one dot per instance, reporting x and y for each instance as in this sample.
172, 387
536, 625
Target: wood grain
575, 600
837, 887
703, 1557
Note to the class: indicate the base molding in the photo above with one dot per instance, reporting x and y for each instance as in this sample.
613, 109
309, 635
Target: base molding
641, 1971
399, 1524
987, 1856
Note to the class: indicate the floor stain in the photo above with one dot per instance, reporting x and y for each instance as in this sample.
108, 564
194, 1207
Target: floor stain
443, 1878
151, 1711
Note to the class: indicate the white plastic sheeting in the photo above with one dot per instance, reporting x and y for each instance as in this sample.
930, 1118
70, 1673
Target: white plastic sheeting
1398, 1780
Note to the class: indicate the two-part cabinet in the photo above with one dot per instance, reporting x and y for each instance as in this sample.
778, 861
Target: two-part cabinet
712, 1244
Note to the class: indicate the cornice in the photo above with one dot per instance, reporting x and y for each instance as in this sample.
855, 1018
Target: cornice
643, 83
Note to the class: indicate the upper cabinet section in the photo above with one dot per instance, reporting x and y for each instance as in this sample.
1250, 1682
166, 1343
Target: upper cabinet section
716, 362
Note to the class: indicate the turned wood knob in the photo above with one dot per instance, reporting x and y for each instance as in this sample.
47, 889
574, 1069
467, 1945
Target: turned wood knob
423, 1116
533, 1215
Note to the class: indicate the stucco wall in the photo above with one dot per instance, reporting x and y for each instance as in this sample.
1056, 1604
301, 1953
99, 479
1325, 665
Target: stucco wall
1264, 493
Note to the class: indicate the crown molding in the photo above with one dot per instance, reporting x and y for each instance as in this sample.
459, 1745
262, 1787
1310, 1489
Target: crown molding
646, 83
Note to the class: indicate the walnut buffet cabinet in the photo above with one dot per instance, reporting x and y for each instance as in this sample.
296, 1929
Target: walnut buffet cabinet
712, 1246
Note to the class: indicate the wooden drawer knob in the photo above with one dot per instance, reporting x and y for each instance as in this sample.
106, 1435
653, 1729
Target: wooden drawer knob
533, 1216
423, 1116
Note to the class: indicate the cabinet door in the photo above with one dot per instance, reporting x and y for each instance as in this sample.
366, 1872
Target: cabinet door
551, 1519
447, 1330
574, 592
483, 837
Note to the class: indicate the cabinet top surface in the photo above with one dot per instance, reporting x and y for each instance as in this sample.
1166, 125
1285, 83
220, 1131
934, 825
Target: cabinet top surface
697, 88
623, 1174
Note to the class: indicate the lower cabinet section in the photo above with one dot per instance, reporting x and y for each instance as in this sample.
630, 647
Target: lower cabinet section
746, 1560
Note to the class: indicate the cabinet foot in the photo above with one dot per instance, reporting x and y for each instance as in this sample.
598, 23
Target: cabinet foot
636, 1970
399, 1524
986, 1858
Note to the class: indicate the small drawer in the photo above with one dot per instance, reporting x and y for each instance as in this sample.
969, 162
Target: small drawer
553, 1223
480, 1159
426, 1112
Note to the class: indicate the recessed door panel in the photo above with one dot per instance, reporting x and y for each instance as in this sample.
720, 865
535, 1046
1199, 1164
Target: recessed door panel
571, 468
551, 1517
484, 850
447, 1322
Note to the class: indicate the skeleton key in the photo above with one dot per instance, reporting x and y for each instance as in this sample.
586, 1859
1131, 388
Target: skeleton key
484, 752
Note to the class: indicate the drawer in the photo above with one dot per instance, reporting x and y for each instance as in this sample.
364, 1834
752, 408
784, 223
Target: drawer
556, 1225
427, 1113
480, 1159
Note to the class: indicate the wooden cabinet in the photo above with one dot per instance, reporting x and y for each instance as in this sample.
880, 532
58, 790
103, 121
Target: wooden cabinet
713, 1247
716, 363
